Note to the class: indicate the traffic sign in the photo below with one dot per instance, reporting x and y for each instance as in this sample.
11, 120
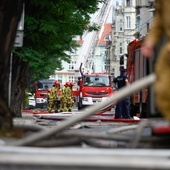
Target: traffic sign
19, 39
20, 34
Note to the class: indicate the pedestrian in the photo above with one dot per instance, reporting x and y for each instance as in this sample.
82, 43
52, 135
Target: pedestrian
122, 107
160, 27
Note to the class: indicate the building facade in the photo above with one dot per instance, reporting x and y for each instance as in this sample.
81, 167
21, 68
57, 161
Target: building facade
100, 53
124, 22
129, 20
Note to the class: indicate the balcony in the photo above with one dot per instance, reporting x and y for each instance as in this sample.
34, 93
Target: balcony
129, 9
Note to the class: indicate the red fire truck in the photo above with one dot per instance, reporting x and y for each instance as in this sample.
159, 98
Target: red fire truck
41, 89
94, 88
138, 67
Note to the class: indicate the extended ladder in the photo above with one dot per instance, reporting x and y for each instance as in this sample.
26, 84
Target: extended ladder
91, 38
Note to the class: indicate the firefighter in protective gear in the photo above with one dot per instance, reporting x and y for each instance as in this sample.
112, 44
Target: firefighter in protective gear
55, 94
69, 96
50, 105
160, 27
63, 98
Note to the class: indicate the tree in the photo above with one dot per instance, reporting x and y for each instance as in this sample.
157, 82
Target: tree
9, 17
48, 32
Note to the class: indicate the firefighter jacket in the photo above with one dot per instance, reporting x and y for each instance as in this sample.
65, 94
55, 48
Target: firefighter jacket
161, 26
54, 92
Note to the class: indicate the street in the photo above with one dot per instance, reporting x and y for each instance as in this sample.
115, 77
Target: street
92, 125
62, 140
85, 145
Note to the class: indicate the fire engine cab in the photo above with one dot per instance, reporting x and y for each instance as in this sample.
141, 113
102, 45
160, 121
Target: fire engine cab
94, 88
41, 90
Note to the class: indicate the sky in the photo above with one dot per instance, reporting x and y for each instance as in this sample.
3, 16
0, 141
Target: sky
113, 2
119, 1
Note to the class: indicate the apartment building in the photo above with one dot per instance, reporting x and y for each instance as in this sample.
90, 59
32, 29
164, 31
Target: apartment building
131, 20
144, 15
124, 29
100, 56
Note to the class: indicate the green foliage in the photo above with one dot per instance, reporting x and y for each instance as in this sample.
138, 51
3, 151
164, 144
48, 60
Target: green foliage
26, 100
49, 28
94, 27
136, 34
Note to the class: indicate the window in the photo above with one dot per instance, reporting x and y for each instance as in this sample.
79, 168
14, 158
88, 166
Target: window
53, 77
121, 26
128, 41
60, 77
128, 22
97, 81
147, 2
138, 24
120, 49
147, 26
72, 65
128, 2
122, 60
71, 78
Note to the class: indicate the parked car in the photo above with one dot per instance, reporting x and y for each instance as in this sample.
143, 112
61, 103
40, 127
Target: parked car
31, 101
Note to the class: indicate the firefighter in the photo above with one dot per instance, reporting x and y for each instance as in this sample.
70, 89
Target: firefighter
63, 98
159, 28
69, 95
55, 95
49, 101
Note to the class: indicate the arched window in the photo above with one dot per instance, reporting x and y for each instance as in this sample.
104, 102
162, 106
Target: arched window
128, 2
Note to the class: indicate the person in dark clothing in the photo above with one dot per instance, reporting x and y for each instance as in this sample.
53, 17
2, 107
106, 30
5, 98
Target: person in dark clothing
122, 107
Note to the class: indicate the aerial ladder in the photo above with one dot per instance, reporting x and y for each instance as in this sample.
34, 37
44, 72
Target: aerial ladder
90, 39
89, 81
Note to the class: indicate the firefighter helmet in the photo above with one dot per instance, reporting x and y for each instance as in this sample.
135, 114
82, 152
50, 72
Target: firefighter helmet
71, 84
67, 84
56, 83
